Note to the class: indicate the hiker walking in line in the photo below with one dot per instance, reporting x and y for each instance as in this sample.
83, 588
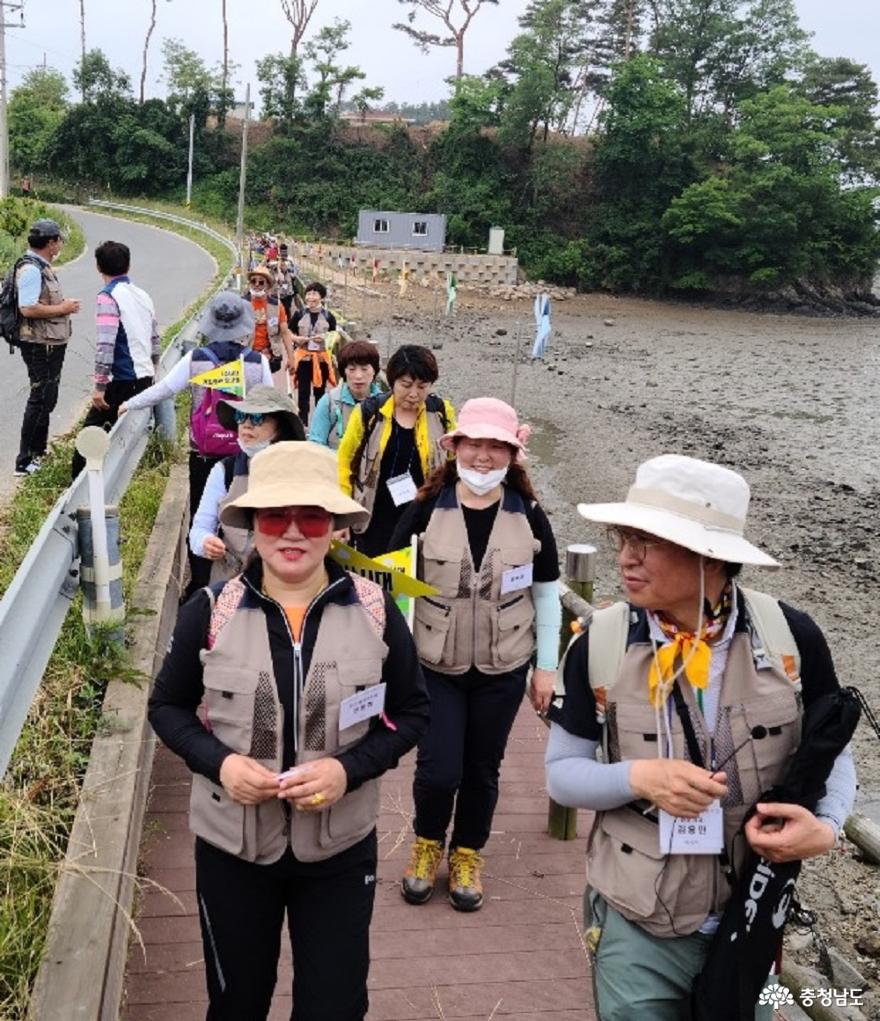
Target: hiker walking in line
358, 365
285, 797
44, 332
272, 336
264, 417
312, 366
487, 546
696, 688
127, 344
228, 328
392, 443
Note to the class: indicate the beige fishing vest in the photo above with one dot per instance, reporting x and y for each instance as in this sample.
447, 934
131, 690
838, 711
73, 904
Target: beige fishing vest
244, 712
624, 861
366, 483
304, 328
272, 313
47, 331
470, 623
239, 541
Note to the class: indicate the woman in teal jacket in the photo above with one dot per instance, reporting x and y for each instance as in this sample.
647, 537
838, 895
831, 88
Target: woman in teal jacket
358, 366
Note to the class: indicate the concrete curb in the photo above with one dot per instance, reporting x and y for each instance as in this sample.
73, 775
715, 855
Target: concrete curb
82, 971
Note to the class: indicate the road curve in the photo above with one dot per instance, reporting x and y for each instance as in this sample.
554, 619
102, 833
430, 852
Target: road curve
173, 270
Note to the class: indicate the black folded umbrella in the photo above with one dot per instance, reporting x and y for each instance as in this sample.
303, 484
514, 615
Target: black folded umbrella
748, 937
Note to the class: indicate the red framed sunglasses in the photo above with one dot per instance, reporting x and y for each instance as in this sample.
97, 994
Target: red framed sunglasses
311, 522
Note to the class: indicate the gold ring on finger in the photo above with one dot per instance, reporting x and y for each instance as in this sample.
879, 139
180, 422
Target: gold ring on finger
318, 799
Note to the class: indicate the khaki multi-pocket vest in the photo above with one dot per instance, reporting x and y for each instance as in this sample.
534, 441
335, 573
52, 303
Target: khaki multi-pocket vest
321, 327
238, 541
245, 713
47, 331
758, 729
366, 482
470, 623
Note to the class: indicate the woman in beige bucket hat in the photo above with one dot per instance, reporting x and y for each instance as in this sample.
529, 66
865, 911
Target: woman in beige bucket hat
682, 706
312, 689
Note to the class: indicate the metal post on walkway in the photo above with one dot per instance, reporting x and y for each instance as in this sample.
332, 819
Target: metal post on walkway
580, 576
101, 569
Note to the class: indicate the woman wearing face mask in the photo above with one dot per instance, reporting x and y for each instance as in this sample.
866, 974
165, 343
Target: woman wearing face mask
487, 546
358, 365
288, 659
392, 443
265, 416
272, 336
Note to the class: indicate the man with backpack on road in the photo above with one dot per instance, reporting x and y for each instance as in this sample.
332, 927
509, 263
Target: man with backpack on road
127, 345
41, 332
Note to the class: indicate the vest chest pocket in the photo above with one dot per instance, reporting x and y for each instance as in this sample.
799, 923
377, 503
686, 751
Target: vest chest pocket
635, 734
351, 818
771, 730
513, 638
433, 630
215, 817
441, 566
354, 676
229, 704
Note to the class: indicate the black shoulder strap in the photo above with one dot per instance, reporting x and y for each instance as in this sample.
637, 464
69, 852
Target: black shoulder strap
438, 406
687, 726
229, 470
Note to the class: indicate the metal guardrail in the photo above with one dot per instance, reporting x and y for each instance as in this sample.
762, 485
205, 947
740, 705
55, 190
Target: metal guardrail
35, 605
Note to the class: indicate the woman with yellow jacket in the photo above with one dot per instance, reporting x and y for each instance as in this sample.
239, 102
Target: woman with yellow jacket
392, 444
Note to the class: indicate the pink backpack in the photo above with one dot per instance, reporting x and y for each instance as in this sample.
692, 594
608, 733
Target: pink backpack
210, 436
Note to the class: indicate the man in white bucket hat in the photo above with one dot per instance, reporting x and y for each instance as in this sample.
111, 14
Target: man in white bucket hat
682, 706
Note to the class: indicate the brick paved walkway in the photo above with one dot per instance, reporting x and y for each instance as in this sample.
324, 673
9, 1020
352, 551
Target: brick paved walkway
521, 956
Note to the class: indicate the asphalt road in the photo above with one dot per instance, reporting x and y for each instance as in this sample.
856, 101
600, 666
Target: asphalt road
173, 270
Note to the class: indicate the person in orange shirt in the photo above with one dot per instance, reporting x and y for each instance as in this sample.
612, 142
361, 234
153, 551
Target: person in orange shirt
272, 336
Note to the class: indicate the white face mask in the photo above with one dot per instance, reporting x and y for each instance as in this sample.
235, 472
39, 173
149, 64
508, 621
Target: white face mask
480, 483
253, 448
258, 294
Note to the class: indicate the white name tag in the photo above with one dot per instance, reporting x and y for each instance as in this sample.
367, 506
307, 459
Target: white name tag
703, 835
313, 345
362, 706
402, 489
516, 578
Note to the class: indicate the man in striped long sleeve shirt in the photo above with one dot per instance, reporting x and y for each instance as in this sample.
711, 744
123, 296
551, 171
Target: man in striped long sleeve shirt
127, 344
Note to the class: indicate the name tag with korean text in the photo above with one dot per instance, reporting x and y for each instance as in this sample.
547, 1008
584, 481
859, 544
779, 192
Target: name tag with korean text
402, 489
516, 578
702, 835
363, 705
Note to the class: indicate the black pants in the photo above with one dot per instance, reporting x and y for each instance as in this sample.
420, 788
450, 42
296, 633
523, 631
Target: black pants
199, 470
304, 386
44, 363
460, 755
329, 905
117, 392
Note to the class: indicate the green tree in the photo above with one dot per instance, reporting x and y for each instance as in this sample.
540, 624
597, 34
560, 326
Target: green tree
36, 108
98, 82
281, 77
850, 89
192, 87
331, 79
442, 10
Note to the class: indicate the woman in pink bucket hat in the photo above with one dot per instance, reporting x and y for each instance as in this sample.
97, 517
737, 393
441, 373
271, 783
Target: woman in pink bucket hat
486, 545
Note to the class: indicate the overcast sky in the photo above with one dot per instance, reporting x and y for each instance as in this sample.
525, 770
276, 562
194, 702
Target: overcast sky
52, 28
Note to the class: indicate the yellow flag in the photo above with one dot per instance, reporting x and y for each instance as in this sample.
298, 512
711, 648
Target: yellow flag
229, 378
383, 570
404, 276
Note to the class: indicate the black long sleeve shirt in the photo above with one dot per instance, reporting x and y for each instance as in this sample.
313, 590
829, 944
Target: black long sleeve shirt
178, 689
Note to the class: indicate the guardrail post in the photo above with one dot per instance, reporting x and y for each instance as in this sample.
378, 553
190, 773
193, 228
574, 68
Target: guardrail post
580, 575
101, 569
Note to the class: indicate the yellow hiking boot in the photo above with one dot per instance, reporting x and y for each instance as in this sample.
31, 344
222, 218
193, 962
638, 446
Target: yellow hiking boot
418, 881
465, 887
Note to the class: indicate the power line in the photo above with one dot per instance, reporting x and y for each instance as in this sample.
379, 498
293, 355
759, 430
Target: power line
12, 6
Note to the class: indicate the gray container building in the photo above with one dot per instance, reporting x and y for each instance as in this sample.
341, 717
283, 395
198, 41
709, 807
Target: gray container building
423, 232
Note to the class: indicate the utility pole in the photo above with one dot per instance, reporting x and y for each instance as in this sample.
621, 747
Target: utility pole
12, 6
189, 172
239, 226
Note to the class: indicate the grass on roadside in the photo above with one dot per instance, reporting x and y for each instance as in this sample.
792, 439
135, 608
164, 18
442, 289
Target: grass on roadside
39, 794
